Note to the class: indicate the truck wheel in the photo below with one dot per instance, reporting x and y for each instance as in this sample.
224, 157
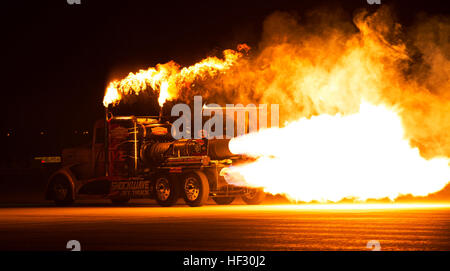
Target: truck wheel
61, 190
195, 187
253, 196
223, 200
166, 191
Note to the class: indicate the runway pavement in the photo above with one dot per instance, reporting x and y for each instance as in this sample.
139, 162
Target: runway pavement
145, 226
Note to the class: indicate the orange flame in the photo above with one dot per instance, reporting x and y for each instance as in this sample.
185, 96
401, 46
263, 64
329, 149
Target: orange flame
333, 146
168, 78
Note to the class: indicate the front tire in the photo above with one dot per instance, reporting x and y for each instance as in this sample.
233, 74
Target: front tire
253, 196
166, 191
61, 190
195, 188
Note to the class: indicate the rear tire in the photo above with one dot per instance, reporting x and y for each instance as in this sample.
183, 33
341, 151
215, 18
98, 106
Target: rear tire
223, 200
61, 189
253, 196
166, 191
195, 188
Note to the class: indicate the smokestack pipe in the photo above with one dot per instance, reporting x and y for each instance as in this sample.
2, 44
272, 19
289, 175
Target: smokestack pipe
160, 115
106, 141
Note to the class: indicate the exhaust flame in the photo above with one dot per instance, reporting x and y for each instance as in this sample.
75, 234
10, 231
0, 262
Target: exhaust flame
329, 158
111, 95
163, 93
168, 78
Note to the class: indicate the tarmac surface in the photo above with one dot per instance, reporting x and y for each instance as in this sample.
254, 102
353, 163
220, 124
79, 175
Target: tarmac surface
146, 226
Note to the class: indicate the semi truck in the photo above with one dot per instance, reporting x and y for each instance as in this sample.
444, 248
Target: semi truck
137, 157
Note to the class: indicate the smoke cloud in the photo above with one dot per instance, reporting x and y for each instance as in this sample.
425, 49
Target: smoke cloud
318, 64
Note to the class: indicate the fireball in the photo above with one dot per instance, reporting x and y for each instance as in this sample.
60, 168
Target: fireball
167, 78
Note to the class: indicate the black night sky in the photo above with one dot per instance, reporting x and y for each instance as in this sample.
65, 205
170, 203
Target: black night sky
58, 58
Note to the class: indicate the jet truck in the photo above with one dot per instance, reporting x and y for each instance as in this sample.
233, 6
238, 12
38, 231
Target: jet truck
137, 157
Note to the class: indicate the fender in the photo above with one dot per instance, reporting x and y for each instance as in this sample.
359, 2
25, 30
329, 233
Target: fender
68, 174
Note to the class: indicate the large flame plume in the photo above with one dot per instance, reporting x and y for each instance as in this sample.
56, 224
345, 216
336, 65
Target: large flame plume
169, 78
334, 145
365, 104
329, 158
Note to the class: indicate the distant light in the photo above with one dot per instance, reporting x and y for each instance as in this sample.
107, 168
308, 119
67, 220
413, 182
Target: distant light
8, 134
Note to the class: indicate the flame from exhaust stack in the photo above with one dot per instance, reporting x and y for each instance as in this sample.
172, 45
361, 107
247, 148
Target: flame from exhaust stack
328, 158
168, 78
